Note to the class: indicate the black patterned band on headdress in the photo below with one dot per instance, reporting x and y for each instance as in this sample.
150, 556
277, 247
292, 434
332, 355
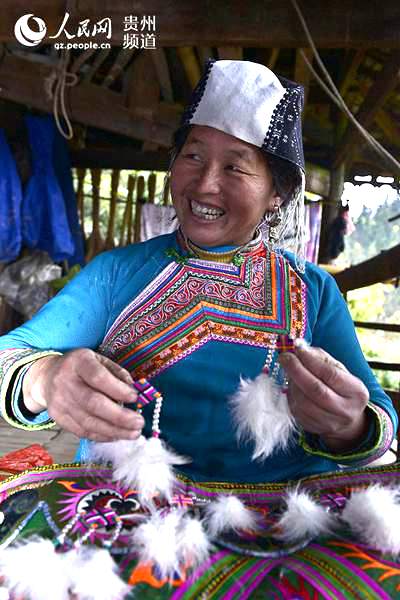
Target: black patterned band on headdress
255, 105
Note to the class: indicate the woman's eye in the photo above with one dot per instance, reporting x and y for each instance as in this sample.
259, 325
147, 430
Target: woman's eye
234, 168
192, 156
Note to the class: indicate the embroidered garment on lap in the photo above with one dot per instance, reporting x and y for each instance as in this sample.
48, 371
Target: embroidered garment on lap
194, 327
45, 500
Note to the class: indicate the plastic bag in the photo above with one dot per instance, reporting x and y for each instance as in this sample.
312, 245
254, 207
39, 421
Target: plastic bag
24, 284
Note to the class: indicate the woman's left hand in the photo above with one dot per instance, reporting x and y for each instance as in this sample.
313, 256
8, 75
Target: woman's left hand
325, 398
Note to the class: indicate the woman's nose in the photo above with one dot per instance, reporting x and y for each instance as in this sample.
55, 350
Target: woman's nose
209, 180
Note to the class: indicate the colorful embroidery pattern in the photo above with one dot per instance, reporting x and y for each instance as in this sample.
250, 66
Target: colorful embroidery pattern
42, 501
190, 304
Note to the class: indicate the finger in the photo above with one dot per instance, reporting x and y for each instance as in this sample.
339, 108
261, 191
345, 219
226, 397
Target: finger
101, 406
302, 349
96, 429
329, 370
310, 416
315, 390
93, 371
115, 369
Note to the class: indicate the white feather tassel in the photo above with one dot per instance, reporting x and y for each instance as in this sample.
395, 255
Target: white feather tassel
94, 575
193, 543
227, 513
374, 516
156, 541
261, 413
303, 518
149, 469
143, 464
22, 567
104, 452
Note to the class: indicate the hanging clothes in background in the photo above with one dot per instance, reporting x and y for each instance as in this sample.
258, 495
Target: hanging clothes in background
313, 229
62, 168
10, 204
45, 223
156, 220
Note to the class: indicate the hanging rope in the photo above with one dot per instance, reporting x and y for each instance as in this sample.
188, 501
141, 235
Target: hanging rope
55, 86
332, 91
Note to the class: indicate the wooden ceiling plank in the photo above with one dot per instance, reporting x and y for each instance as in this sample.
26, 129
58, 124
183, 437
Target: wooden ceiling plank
230, 53
302, 73
159, 59
143, 89
117, 69
350, 71
273, 58
82, 58
191, 65
389, 126
87, 103
98, 61
345, 24
125, 158
204, 54
385, 83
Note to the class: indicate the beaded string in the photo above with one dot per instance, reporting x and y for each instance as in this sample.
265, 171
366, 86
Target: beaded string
146, 394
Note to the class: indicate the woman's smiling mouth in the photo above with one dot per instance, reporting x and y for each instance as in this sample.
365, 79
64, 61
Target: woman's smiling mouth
205, 212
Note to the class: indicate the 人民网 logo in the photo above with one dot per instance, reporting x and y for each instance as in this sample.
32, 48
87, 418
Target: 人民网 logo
27, 36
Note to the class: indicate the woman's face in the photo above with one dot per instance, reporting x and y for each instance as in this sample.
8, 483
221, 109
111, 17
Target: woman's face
221, 188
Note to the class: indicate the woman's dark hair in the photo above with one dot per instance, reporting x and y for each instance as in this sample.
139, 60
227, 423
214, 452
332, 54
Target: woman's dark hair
285, 175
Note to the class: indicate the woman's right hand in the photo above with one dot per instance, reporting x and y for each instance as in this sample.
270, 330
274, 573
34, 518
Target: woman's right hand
84, 393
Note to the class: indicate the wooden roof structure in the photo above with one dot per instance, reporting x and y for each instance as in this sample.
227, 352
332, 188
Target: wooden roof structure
126, 102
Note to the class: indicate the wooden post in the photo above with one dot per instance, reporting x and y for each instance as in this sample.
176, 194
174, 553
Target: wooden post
330, 211
127, 217
95, 244
151, 186
110, 243
138, 207
80, 197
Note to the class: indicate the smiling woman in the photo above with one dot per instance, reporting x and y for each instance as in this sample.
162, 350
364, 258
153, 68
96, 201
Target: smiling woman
221, 187
232, 349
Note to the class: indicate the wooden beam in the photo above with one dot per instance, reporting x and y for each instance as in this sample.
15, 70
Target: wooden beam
117, 69
260, 23
143, 89
389, 126
378, 326
385, 83
350, 71
24, 82
159, 59
330, 212
302, 73
375, 270
120, 158
190, 64
230, 53
273, 58
101, 56
382, 366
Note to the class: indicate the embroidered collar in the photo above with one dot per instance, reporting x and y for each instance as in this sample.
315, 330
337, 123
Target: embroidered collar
235, 255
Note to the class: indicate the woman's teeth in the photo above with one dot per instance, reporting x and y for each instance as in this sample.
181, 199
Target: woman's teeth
205, 212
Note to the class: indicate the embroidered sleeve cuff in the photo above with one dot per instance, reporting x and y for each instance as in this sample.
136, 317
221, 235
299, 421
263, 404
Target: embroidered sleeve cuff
374, 445
14, 363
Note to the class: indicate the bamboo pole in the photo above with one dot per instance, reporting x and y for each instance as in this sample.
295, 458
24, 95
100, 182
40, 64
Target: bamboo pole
138, 207
95, 244
110, 242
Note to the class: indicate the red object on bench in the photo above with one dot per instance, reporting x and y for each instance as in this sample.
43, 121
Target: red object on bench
25, 458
